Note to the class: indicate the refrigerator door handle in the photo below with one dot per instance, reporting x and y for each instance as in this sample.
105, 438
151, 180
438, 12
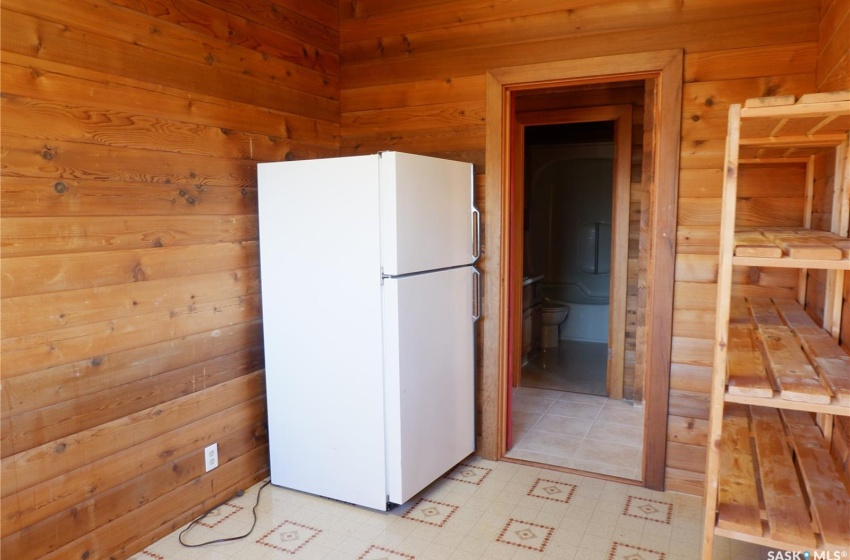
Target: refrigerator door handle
476, 242
476, 294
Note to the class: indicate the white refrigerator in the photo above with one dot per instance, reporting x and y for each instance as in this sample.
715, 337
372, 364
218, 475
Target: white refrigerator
369, 301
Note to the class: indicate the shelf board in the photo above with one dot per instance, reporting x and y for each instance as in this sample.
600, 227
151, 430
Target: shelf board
791, 248
777, 485
808, 370
788, 262
767, 540
778, 402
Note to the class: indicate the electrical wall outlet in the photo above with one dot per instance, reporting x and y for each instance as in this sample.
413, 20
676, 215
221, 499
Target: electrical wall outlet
211, 456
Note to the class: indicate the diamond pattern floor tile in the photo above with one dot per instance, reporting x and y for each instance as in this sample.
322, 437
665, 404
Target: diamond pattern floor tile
431, 512
620, 551
524, 534
469, 474
289, 537
552, 490
653, 510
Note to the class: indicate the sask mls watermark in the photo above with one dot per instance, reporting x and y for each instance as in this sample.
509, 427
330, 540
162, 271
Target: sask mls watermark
815, 555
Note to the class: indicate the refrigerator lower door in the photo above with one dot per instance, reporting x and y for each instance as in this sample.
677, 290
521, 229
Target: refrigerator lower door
428, 377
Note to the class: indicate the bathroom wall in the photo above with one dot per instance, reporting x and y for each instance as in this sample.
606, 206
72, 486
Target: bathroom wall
569, 192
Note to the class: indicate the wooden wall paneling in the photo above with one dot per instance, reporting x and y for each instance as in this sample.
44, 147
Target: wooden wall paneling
76, 308
44, 388
158, 35
688, 377
774, 58
239, 427
123, 469
23, 237
441, 31
27, 429
57, 160
450, 90
298, 48
315, 23
38, 196
833, 62
374, 18
60, 43
29, 353
54, 459
47, 80
113, 537
712, 34
130, 133
91, 125
74, 271
692, 431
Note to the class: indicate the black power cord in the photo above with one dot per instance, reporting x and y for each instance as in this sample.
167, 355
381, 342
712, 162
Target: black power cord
209, 511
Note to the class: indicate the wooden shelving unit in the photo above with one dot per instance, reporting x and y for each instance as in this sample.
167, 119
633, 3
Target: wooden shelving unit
779, 378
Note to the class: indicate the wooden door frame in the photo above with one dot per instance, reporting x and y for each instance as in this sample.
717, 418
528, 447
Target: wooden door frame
666, 68
621, 116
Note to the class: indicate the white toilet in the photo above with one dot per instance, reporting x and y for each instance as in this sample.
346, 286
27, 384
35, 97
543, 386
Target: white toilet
552, 314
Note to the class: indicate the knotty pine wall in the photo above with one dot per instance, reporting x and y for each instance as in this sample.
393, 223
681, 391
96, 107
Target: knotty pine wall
833, 74
131, 325
413, 79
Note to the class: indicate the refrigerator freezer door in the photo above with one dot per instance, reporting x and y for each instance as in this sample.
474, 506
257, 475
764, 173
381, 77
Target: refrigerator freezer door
428, 361
426, 213
320, 263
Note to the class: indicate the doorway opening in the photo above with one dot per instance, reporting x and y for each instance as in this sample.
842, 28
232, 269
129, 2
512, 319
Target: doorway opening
575, 186
567, 226
500, 330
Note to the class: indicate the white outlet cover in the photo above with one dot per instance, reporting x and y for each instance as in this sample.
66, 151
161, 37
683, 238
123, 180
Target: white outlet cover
211, 456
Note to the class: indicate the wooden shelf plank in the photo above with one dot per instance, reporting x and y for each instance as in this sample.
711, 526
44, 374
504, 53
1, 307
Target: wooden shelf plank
746, 373
738, 501
750, 243
829, 359
795, 377
787, 513
799, 245
764, 313
828, 496
797, 345
797, 111
787, 262
778, 402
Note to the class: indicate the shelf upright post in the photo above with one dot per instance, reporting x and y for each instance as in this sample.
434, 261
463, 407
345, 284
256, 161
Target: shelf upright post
721, 336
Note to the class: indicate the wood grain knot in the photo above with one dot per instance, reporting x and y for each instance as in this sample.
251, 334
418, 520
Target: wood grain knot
60, 187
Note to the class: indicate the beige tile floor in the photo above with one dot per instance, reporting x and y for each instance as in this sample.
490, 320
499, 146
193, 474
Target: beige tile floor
585, 432
481, 510
574, 366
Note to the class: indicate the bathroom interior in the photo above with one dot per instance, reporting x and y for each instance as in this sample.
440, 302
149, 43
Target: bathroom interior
561, 412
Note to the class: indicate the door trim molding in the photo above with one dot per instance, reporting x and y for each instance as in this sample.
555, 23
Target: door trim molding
666, 68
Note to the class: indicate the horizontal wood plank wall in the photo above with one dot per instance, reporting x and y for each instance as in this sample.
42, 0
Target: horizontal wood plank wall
833, 70
833, 74
412, 79
131, 324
